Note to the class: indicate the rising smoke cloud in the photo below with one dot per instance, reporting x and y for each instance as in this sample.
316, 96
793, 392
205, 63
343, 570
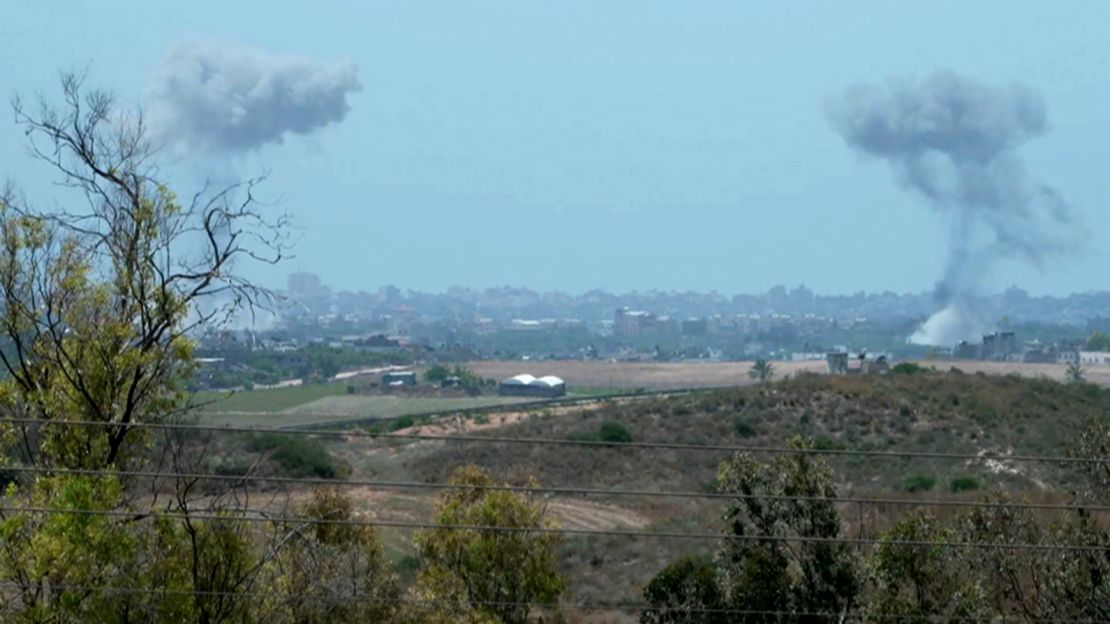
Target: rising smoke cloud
953, 140
229, 99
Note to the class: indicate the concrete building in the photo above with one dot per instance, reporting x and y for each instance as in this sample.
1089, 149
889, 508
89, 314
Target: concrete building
1000, 346
1038, 353
633, 323
838, 362
695, 327
873, 365
309, 294
997, 346
863, 363
964, 350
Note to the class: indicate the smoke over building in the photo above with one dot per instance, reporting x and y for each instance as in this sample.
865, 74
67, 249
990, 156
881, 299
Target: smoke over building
953, 141
228, 99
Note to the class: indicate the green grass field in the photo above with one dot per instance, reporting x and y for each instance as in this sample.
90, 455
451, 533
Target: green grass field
272, 400
314, 403
306, 405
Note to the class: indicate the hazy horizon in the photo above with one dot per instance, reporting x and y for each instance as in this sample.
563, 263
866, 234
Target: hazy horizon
575, 146
281, 285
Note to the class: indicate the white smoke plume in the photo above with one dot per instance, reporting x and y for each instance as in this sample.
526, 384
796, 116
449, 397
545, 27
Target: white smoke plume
953, 140
228, 99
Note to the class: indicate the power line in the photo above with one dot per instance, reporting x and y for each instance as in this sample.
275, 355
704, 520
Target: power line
772, 450
417, 485
408, 524
612, 606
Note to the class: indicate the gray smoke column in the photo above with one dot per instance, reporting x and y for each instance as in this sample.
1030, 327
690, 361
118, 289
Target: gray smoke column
228, 99
953, 140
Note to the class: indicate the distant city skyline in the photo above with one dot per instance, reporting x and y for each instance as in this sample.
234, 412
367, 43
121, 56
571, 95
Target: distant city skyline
324, 283
308, 295
580, 145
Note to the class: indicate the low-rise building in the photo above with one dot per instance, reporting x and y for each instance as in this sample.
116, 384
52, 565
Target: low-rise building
1094, 358
862, 363
633, 322
1000, 346
838, 362
399, 378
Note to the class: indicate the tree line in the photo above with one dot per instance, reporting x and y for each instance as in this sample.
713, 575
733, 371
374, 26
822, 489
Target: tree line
781, 559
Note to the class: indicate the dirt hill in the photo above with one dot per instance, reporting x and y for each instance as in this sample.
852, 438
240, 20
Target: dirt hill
928, 411
946, 412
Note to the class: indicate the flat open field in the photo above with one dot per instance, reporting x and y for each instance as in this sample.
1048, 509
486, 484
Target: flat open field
651, 375
662, 375
266, 400
318, 406
1095, 374
316, 403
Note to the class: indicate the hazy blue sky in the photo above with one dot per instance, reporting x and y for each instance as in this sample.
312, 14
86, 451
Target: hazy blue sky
621, 145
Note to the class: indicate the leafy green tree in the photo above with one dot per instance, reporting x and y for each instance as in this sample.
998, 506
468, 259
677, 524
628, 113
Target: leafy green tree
1050, 582
326, 365
97, 302
909, 581
1074, 373
773, 574
762, 371
437, 374
686, 592
224, 559
494, 573
1094, 444
331, 572
1098, 341
916, 572
53, 558
1041, 583
467, 377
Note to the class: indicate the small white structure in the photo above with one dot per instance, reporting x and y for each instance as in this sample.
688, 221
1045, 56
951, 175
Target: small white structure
548, 386
399, 378
1094, 358
1067, 357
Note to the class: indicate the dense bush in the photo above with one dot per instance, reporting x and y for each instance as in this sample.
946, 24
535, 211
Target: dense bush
684, 586
913, 573
744, 429
963, 484
919, 483
437, 374
235, 465
403, 422
908, 368
825, 443
297, 456
613, 432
